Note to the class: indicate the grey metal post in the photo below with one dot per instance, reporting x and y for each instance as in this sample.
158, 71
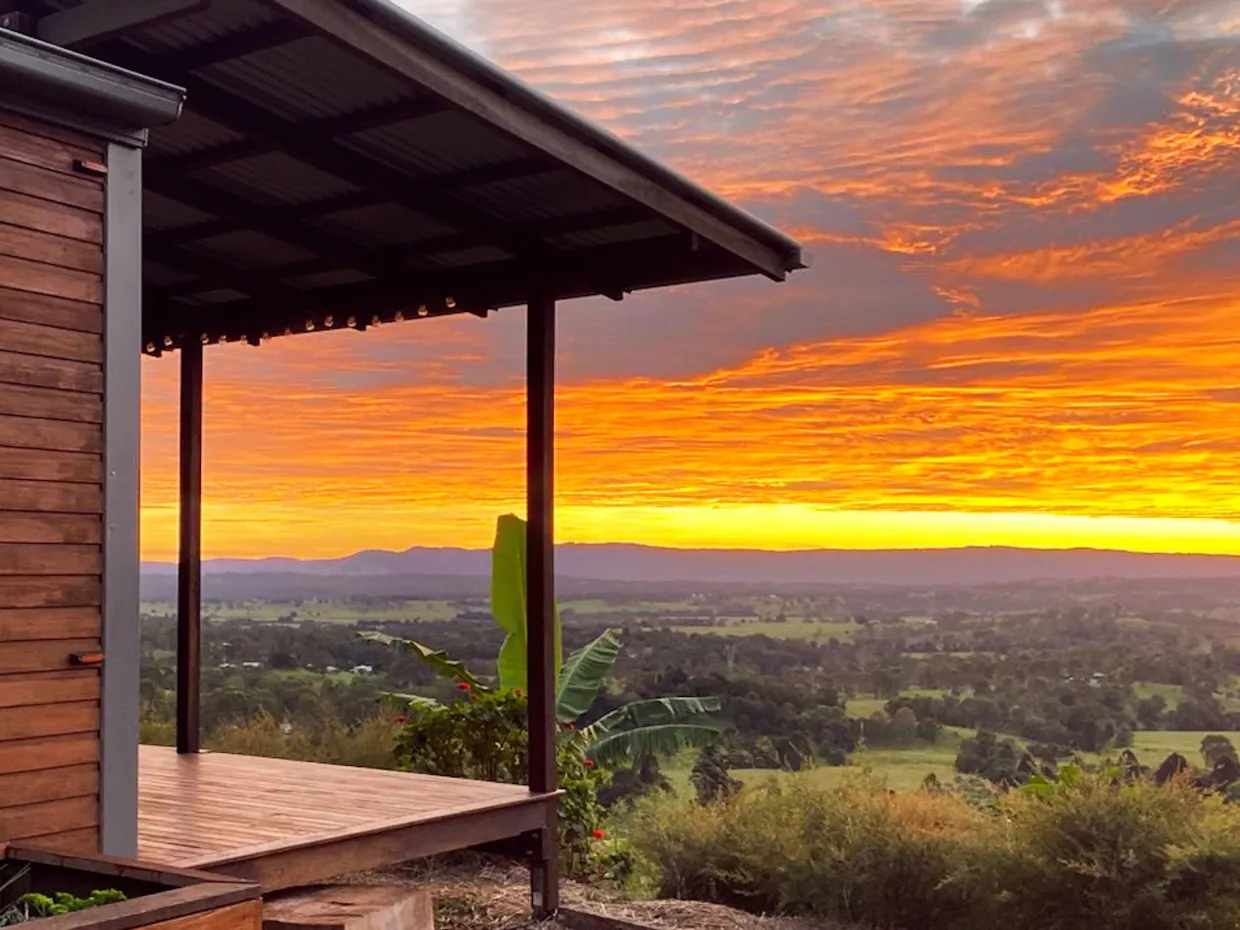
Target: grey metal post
122, 335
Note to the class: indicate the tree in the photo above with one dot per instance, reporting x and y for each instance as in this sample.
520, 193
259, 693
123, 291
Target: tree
1215, 748
655, 725
710, 777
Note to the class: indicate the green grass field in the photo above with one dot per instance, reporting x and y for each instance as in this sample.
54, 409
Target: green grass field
904, 769
320, 611
305, 674
795, 628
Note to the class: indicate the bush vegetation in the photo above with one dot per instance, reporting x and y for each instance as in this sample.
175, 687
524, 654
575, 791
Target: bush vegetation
1089, 853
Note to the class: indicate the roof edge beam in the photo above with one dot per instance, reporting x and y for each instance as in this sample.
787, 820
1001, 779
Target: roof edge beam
95, 22
340, 24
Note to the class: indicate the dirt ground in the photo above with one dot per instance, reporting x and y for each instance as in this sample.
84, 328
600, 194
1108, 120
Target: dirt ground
479, 896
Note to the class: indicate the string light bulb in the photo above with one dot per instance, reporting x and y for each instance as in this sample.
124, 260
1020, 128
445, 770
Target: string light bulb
351, 322
422, 311
167, 342
399, 316
150, 348
205, 339
329, 321
288, 330
309, 326
375, 321
450, 302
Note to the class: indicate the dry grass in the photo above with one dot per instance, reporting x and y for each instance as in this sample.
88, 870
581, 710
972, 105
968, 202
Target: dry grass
477, 894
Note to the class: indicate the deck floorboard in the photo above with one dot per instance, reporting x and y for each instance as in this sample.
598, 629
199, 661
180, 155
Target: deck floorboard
253, 816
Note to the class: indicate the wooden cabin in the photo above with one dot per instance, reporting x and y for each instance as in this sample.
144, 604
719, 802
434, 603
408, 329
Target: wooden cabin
180, 173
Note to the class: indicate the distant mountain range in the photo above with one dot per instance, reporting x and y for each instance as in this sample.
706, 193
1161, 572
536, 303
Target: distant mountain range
632, 563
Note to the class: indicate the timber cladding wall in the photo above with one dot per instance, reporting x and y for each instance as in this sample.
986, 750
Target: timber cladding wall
51, 474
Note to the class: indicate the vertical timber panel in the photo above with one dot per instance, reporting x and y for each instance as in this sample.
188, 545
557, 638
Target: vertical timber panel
122, 426
540, 584
51, 483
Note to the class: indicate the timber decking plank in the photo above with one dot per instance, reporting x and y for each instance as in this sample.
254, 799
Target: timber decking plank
50, 404
73, 190
50, 817
74, 781
26, 755
25, 307
29, 559
26, 275
18, 723
289, 819
46, 146
50, 591
43, 215
41, 372
37, 338
50, 496
53, 435
19, 527
42, 655
50, 465
85, 840
31, 689
51, 249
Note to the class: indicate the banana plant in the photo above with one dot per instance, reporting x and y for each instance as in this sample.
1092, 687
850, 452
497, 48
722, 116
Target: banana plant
658, 725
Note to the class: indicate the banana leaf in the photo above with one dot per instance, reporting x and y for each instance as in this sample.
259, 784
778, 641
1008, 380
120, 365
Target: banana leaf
508, 562
652, 712
443, 665
409, 700
582, 676
657, 740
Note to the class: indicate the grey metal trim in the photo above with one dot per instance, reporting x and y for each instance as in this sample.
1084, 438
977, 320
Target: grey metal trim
400, 21
122, 382
42, 78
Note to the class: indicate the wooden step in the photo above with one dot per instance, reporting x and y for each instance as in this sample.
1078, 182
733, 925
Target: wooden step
349, 907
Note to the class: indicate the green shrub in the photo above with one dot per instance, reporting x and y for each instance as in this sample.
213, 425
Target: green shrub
1084, 852
1088, 853
854, 852
485, 736
368, 744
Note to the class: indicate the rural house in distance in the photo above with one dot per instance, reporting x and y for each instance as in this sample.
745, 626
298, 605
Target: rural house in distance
180, 173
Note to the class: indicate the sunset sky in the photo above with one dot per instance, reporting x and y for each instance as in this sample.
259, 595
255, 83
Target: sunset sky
1022, 323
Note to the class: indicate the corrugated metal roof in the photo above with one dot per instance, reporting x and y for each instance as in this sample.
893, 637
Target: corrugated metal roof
384, 224
611, 235
543, 196
311, 159
190, 133
249, 249
275, 178
164, 214
439, 144
309, 79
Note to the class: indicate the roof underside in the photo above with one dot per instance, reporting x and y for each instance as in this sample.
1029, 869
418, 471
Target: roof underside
340, 164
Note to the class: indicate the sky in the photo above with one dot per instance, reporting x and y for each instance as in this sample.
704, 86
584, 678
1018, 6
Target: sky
1021, 325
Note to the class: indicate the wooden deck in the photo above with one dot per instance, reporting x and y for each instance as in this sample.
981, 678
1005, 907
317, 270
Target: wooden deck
283, 823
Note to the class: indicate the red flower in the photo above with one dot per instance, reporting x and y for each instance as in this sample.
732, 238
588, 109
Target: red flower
572, 726
599, 834
588, 763
400, 718
462, 686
